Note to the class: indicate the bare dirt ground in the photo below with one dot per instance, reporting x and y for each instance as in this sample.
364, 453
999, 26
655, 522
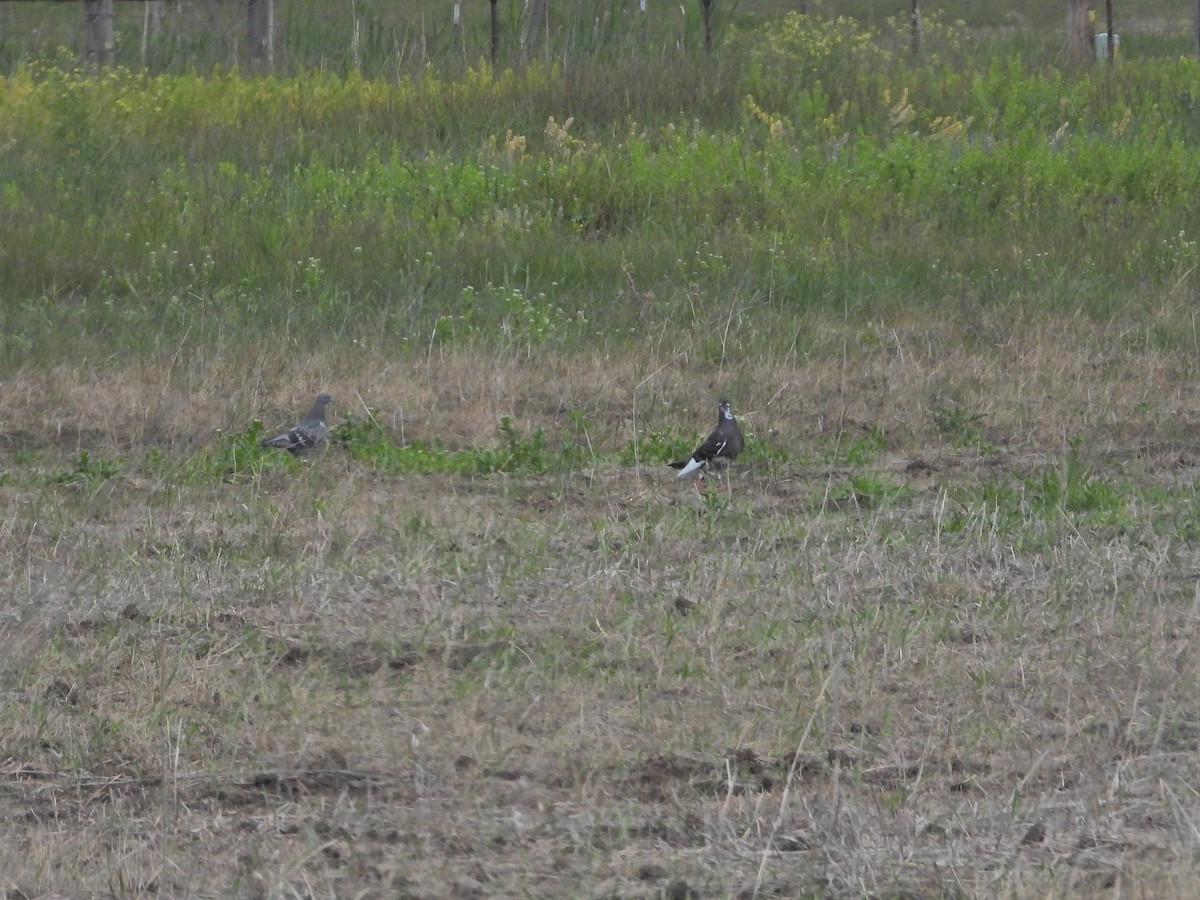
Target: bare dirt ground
913, 669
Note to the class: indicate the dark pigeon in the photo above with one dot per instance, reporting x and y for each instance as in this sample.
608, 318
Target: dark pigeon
718, 450
306, 435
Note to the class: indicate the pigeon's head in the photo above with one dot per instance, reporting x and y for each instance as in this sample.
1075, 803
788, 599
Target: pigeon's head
726, 411
324, 399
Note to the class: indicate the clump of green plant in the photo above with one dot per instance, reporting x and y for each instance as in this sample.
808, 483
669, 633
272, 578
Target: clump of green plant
238, 454
868, 490
522, 453
866, 449
88, 469
817, 59
959, 425
654, 447
1074, 488
367, 440
527, 320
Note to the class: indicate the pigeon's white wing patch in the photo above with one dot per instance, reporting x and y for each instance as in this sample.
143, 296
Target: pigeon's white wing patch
692, 465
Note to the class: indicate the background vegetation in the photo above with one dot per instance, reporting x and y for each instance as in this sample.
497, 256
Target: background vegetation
820, 169
933, 637
383, 38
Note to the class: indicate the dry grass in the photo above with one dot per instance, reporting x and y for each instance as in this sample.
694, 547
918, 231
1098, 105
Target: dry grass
1036, 385
335, 681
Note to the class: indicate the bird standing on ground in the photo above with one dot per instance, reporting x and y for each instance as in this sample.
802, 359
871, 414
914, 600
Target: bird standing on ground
307, 434
718, 450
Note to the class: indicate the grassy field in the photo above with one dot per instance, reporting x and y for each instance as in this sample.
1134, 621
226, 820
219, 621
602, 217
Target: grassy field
934, 648
934, 636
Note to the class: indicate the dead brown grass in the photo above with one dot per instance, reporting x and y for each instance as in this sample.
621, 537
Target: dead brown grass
1035, 386
340, 682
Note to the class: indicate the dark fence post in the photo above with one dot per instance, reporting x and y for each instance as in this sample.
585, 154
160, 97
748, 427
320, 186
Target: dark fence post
916, 27
1111, 44
495, 32
706, 7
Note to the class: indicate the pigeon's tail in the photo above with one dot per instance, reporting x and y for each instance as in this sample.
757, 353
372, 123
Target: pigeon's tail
686, 466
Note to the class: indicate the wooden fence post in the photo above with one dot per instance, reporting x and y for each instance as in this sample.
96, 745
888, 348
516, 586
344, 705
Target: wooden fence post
1111, 44
98, 15
152, 17
261, 31
495, 33
1081, 33
1196, 27
535, 19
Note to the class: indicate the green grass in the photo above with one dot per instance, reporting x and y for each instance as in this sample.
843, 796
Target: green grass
146, 208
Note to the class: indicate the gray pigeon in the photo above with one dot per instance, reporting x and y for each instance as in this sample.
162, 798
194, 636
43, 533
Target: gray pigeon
306, 435
719, 450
